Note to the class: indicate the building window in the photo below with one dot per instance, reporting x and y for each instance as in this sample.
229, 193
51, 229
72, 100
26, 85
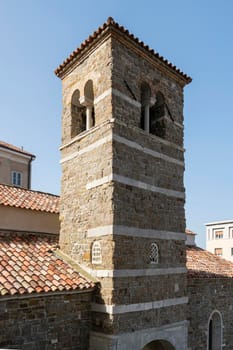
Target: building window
218, 234
218, 251
96, 253
230, 232
215, 331
16, 178
154, 253
231, 251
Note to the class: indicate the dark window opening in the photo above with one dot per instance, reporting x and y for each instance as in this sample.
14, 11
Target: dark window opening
145, 107
78, 113
210, 335
157, 116
82, 110
215, 332
153, 112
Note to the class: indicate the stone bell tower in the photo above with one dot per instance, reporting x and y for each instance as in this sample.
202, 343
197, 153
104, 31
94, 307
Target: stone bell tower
122, 199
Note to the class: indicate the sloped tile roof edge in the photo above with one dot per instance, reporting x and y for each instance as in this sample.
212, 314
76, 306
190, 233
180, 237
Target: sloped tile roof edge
66, 258
23, 198
203, 264
30, 267
45, 294
108, 25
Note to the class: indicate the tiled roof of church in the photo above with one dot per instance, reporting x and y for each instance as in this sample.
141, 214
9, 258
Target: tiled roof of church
28, 199
111, 24
15, 149
203, 264
28, 264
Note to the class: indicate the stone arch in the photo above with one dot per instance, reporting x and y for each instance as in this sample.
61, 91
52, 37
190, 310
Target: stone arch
78, 114
88, 102
89, 90
215, 326
159, 345
82, 109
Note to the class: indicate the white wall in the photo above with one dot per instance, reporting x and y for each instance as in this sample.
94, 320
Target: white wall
226, 243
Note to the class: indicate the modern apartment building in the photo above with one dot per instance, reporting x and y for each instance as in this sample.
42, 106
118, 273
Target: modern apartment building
219, 238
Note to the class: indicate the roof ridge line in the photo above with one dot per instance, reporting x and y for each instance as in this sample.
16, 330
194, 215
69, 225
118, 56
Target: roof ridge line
107, 24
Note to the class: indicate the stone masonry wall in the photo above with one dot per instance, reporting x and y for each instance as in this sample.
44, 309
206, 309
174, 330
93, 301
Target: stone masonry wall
205, 296
163, 212
156, 171
60, 322
138, 289
83, 209
134, 321
130, 70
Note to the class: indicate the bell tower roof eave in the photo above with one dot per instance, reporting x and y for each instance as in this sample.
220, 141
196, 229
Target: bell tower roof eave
112, 28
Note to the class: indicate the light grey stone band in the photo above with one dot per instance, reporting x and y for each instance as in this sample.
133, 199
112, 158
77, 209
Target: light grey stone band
135, 183
145, 150
136, 272
123, 309
89, 148
134, 232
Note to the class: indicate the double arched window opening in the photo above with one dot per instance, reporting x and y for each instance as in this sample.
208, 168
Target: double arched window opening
82, 110
153, 111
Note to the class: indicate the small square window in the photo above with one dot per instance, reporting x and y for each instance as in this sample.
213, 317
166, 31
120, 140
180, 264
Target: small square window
218, 251
16, 178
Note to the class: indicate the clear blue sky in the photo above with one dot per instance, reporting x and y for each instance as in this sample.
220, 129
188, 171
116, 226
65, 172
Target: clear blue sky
195, 35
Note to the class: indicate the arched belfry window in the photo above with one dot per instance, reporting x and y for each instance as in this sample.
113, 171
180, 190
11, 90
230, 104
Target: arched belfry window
78, 115
82, 110
157, 116
153, 111
215, 331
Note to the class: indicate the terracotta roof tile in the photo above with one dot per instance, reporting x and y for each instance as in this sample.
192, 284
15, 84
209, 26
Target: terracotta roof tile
46, 272
15, 149
203, 264
28, 199
109, 25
